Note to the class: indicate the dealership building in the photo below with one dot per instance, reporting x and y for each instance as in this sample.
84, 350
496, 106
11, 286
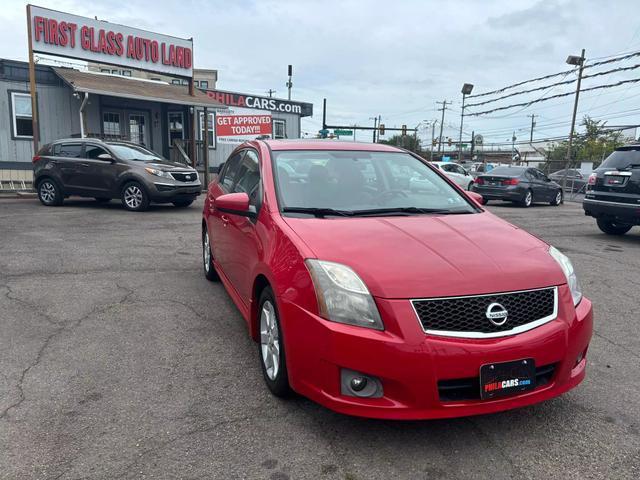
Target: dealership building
150, 97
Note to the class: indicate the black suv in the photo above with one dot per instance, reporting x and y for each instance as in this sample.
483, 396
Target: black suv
111, 169
613, 191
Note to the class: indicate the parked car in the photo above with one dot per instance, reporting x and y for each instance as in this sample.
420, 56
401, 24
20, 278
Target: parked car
576, 180
456, 173
522, 185
376, 300
612, 196
111, 169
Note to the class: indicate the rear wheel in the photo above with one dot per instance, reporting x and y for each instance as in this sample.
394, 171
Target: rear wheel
271, 348
134, 197
49, 193
613, 228
527, 200
557, 200
469, 186
183, 203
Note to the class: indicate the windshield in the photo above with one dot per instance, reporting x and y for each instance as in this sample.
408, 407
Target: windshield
348, 182
621, 159
133, 152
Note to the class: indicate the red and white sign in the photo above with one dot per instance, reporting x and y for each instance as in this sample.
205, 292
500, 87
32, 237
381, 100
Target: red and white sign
67, 35
239, 128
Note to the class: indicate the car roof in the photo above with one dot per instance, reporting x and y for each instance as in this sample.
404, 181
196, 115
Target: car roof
327, 144
94, 140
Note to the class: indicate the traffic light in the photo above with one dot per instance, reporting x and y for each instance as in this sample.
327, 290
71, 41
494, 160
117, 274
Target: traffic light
449, 141
435, 142
404, 130
381, 129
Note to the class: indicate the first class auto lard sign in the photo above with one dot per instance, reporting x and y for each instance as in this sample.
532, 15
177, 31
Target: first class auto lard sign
67, 35
241, 127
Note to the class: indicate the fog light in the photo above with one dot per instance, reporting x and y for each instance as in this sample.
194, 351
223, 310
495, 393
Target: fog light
356, 384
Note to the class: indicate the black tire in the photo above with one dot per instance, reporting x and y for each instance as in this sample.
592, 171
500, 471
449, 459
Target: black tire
207, 258
527, 199
279, 385
134, 197
558, 199
612, 228
103, 199
49, 193
484, 201
183, 203
469, 186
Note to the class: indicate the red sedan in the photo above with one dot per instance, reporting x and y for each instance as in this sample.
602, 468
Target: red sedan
377, 287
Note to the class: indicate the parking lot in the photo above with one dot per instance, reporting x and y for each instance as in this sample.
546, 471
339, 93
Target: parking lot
119, 360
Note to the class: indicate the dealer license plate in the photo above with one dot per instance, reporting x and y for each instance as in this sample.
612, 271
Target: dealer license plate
507, 378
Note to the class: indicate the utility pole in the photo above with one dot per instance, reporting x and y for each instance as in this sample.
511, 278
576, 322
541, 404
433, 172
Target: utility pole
444, 104
513, 145
433, 131
271, 91
375, 126
533, 124
573, 60
289, 84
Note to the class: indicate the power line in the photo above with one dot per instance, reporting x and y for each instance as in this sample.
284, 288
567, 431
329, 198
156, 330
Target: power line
526, 104
566, 72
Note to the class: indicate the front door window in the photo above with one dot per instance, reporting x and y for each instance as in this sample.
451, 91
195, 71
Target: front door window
176, 127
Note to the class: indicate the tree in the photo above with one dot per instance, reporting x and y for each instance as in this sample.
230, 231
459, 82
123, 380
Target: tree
594, 145
410, 142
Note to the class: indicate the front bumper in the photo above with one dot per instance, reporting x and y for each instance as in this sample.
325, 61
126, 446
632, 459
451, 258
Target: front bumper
410, 363
164, 192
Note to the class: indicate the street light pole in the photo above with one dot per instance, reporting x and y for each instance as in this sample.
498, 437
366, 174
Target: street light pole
573, 60
467, 88
375, 125
433, 131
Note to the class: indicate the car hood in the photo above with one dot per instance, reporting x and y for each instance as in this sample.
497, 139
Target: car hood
167, 165
430, 256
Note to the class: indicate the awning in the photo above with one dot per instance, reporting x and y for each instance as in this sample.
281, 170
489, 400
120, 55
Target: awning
138, 89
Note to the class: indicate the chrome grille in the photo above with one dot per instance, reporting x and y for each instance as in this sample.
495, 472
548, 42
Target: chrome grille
467, 316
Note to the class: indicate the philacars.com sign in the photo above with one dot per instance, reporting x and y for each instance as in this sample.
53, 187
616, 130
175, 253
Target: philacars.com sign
67, 35
244, 100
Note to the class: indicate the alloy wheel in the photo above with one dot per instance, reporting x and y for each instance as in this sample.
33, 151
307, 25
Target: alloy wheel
528, 198
47, 191
133, 196
270, 340
558, 198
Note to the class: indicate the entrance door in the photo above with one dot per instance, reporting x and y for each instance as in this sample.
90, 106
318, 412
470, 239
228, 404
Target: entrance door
138, 128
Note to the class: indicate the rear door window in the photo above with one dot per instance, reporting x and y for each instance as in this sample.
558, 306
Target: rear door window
70, 150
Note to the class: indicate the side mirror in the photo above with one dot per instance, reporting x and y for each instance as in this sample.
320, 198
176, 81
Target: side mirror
235, 204
105, 157
476, 197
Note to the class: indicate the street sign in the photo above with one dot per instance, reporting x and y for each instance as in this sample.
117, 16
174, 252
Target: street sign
343, 133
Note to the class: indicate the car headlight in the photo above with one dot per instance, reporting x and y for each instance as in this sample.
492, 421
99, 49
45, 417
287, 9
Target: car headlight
158, 173
569, 272
342, 295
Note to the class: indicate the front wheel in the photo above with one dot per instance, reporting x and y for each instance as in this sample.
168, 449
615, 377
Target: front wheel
612, 228
207, 259
271, 348
134, 197
557, 200
49, 193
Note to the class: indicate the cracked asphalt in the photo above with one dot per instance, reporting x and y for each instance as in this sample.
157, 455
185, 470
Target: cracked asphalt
119, 360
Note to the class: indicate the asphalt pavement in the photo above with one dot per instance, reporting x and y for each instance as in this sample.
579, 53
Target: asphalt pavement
119, 360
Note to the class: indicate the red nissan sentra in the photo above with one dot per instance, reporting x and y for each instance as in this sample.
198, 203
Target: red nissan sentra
376, 287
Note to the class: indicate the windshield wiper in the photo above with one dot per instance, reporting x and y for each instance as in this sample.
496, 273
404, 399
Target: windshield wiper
407, 211
319, 212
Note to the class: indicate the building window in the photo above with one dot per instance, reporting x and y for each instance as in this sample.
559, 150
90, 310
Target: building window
279, 129
111, 124
105, 70
175, 81
197, 83
210, 126
126, 73
204, 84
185, 82
176, 127
21, 113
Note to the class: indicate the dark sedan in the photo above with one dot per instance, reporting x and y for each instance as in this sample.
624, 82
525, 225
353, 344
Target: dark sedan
521, 185
576, 181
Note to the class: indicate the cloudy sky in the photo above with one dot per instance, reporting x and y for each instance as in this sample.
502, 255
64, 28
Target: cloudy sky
394, 59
